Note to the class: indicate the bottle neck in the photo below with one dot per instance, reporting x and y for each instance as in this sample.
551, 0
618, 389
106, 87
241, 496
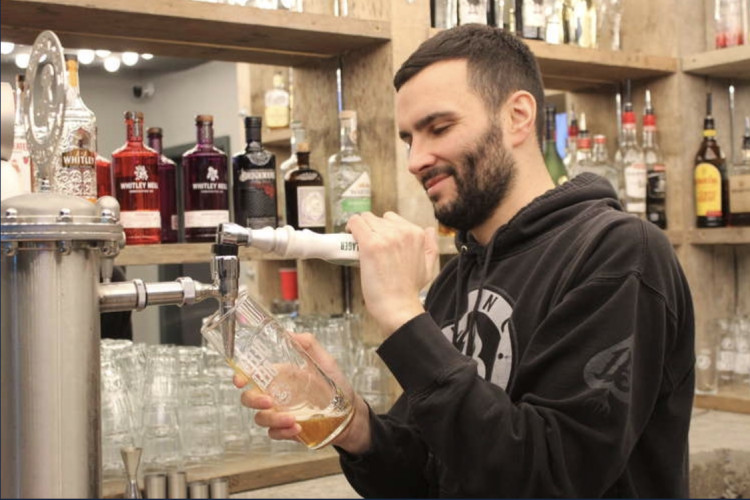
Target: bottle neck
298, 137
252, 138
18, 122
134, 129
205, 134
348, 134
155, 143
303, 160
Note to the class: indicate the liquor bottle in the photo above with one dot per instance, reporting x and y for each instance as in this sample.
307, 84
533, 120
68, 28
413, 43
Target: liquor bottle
290, 164
167, 188
74, 171
632, 166
277, 104
739, 184
20, 158
584, 157
553, 16
105, 181
552, 159
444, 13
254, 176
136, 169
572, 140
473, 11
710, 177
305, 194
205, 186
728, 27
349, 187
604, 166
532, 18
656, 170
581, 23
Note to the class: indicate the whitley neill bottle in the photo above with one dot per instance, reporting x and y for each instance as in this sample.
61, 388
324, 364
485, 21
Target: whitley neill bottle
137, 185
710, 177
205, 185
254, 176
167, 188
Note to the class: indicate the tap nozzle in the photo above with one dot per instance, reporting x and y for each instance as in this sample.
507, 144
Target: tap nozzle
225, 270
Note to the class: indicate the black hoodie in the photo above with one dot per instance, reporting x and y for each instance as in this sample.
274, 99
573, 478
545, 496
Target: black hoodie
574, 377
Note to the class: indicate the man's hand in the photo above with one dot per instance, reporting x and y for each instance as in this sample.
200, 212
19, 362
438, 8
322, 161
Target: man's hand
355, 438
397, 259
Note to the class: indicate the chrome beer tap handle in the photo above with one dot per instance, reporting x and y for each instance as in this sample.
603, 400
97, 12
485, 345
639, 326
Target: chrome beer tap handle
225, 271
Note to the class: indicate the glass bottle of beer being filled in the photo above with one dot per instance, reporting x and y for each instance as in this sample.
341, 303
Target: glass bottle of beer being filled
710, 177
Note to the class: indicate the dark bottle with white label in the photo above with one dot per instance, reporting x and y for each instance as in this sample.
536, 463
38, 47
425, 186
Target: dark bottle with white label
305, 194
254, 176
205, 184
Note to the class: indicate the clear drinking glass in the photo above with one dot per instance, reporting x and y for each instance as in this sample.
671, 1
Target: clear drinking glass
267, 354
706, 354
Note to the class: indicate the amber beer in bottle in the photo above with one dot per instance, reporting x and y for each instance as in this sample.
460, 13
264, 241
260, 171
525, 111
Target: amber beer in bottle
710, 177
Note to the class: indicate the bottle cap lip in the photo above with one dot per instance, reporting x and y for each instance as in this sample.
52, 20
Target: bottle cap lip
600, 138
253, 121
154, 131
204, 118
303, 147
132, 115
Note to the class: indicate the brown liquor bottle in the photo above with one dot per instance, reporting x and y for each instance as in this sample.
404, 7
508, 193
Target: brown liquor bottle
305, 194
710, 177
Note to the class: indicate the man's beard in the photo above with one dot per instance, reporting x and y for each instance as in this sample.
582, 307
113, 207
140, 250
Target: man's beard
485, 176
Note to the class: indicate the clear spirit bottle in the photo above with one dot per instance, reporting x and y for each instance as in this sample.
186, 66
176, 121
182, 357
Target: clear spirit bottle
305, 194
136, 173
277, 104
349, 185
20, 158
205, 184
604, 166
739, 184
584, 158
73, 172
656, 170
254, 176
167, 188
632, 166
287, 166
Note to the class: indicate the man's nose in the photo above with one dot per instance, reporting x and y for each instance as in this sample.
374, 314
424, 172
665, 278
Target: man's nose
420, 157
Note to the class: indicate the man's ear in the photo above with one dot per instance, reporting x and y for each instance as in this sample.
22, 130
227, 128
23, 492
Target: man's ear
520, 117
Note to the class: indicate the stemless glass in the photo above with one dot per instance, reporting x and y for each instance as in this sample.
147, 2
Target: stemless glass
267, 354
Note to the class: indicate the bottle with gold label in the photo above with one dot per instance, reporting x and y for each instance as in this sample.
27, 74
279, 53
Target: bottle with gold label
710, 177
74, 171
277, 104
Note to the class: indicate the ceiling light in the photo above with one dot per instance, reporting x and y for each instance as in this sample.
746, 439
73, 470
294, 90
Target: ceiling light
102, 53
86, 56
147, 56
7, 47
129, 58
22, 60
112, 63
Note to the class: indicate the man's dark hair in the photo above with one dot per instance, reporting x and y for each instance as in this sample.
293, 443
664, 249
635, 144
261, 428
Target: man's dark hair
498, 64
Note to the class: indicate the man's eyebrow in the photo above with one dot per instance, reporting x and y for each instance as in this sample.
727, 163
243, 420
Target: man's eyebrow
424, 122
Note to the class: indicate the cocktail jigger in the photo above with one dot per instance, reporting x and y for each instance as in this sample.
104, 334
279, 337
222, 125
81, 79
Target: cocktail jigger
132, 458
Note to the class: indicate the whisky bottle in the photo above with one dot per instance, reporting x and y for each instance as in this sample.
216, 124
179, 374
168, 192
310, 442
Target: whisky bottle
739, 184
710, 177
349, 188
552, 159
136, 173
74, 171
254, 176
277, 104
20, 158
632, 166
290, 164
656, 170
167, 188
305, 194
205, 185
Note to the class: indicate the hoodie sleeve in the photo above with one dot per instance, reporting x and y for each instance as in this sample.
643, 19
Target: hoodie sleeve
589, 378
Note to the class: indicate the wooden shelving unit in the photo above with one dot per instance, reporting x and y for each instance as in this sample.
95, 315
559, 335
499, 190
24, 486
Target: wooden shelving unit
184, 28
255, 470
735, 398
720, 236
178, 253
732, 62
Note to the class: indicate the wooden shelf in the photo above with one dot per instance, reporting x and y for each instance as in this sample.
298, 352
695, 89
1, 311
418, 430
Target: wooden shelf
719, 236
734, 398
732, 62
185, 28
255, 470
572, 68
178, 253
279, 137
